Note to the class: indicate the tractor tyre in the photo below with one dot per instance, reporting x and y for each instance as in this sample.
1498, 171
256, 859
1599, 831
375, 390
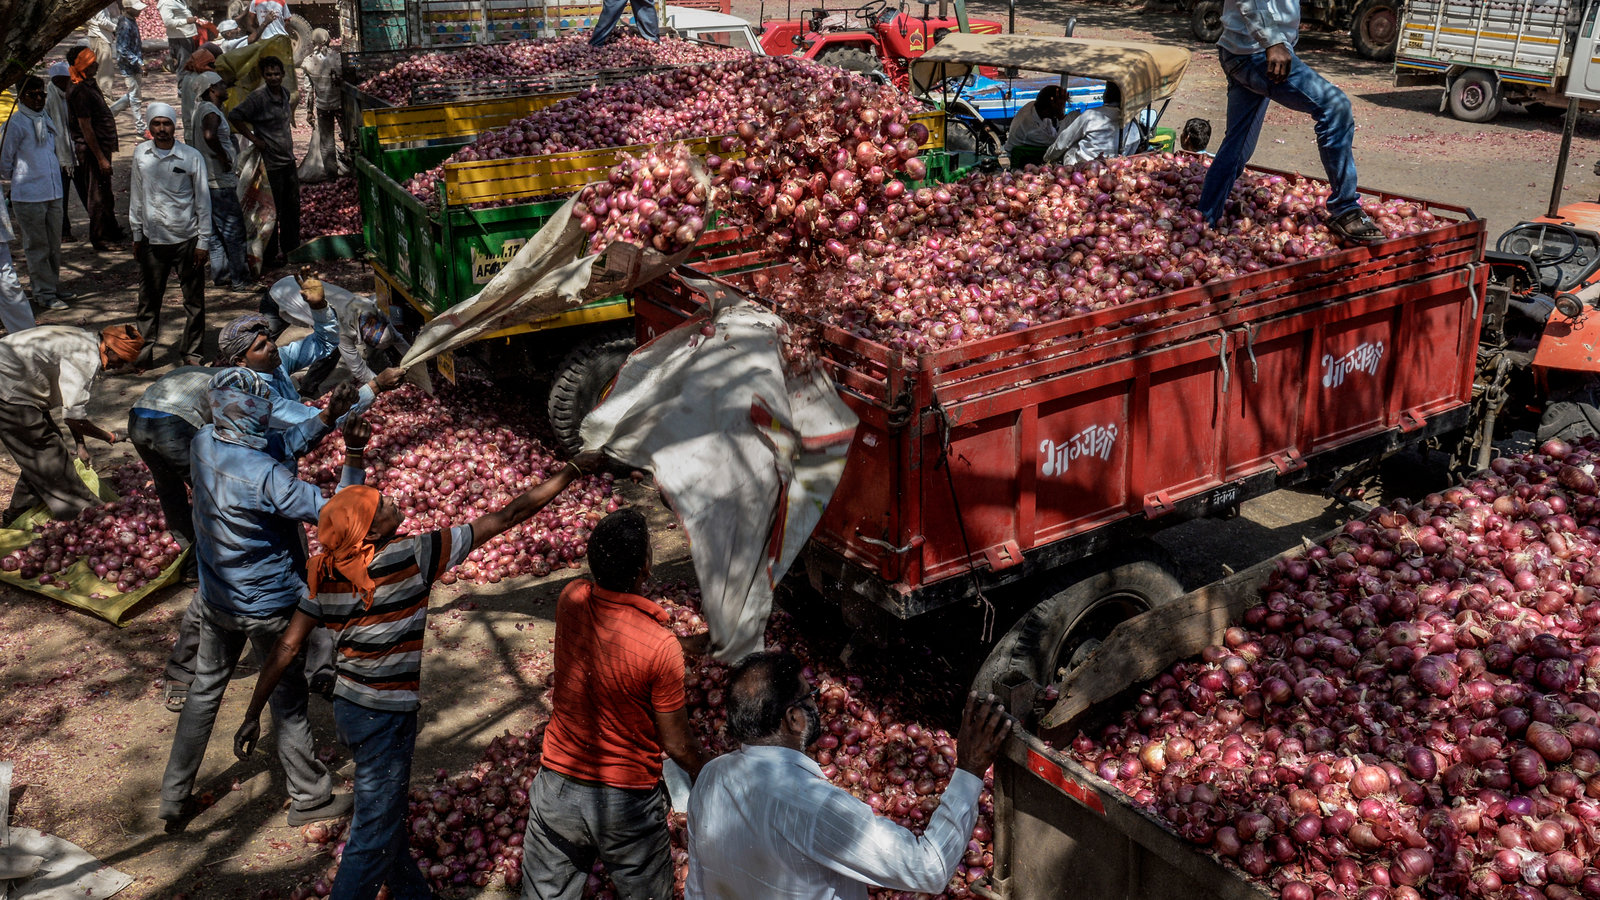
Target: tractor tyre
1077, 609
852, 59
580, 381
1205, 21
1375, 29
300, 36
1575, 416
1474, 96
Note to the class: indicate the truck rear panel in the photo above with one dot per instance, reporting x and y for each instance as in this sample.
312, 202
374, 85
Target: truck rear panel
993, 460
1523, 40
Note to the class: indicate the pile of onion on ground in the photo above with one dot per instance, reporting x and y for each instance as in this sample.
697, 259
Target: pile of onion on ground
506, 62
124, 543
1412, 711
330, 207
451, 459
882, 742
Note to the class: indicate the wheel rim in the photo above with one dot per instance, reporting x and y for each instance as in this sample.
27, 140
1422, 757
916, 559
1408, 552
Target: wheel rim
1090, 629
1473, 96
1381, 26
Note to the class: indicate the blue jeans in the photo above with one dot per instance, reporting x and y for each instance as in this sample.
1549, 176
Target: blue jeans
378, 848
1249, 91
644, 16
228, 238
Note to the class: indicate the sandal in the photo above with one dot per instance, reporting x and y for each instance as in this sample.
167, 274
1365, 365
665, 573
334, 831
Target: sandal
1355, 225
175, 694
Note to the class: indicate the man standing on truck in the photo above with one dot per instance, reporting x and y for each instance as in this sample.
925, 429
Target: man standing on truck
1257, 55
644, 20
764, 822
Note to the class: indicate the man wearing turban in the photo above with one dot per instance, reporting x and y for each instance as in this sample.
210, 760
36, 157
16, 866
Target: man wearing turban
372, 588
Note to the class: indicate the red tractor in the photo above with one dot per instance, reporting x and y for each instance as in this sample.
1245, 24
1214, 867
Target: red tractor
872, 38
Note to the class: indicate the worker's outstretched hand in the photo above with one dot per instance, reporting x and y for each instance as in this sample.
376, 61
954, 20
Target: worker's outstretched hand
357, 431
389, 378
1278, 58
341, 398
590, 461
244, 740
984, 725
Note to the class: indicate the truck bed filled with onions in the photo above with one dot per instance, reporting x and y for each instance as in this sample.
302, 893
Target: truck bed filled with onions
1407, 709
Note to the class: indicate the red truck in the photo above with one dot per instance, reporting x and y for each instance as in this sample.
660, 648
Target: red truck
1039, 462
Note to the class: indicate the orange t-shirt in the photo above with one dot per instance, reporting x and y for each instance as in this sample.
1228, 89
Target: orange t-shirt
616, 664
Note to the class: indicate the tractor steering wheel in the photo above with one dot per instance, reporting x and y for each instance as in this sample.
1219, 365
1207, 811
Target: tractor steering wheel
1527, 240
871, 10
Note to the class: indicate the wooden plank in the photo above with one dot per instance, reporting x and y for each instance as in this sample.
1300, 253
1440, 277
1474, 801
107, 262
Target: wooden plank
525, 177
437, 121
1144, 646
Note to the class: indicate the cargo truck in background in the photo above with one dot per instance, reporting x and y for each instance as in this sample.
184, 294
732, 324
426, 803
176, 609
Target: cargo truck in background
1486, 55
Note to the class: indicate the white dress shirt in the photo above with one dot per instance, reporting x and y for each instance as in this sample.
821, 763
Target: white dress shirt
169, 200
1091, 135
764, 823
104, 27
49, 367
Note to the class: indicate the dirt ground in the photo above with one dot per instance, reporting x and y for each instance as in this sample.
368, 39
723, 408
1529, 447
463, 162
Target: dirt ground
81, 711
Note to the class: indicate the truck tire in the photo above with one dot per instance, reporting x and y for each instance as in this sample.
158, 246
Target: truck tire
1375, 29
300, 36
965, 135
580, 380
1575, 416
851, 59
1205, 21
1474, 96
1077, 609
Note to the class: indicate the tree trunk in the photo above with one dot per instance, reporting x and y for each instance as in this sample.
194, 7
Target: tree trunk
34, 27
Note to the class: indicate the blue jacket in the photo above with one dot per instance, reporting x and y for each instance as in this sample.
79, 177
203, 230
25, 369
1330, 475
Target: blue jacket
1251, 26
300, 424
130, 47
248, 510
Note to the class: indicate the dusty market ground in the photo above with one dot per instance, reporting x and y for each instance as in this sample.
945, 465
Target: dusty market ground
80, 704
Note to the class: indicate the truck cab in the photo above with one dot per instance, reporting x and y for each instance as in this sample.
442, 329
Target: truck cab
711, 27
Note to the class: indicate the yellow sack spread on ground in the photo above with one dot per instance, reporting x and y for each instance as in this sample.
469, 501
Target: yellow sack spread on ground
81, 589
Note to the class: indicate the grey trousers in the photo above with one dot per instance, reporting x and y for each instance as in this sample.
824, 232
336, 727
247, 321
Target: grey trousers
222, 639
570, 823
319, 649
40, 226
48, 475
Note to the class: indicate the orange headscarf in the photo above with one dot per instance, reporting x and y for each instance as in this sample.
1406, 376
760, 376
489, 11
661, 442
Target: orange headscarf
200, 61
119, 344
79, 68
342, 530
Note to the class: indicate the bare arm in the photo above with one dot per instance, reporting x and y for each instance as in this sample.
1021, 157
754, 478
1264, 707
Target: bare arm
86, 128
82, 428
283, 654
213, 139
676, 738
523, 508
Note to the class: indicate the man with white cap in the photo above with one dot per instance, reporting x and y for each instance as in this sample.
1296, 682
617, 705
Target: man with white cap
28, 160
181, 30
55, 106
321, 67
130, 62
210, 133
169, 211
230, 37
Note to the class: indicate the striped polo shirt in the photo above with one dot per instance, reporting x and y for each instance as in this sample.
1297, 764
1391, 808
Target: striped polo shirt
379, 656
